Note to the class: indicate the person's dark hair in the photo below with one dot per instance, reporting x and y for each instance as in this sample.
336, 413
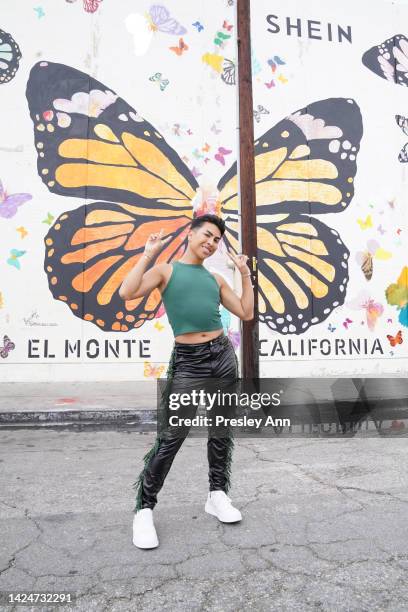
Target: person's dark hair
199, 221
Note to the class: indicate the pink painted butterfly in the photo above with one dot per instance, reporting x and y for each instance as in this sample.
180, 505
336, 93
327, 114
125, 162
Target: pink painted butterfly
220, 155
374, 310
8, 346
91, 6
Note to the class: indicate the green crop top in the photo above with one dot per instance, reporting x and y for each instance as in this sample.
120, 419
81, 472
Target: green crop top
192, 299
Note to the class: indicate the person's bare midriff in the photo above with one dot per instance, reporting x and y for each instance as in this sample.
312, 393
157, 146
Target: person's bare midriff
197, 337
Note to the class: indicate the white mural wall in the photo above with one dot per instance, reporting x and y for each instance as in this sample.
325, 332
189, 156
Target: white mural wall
120, 118
330, 98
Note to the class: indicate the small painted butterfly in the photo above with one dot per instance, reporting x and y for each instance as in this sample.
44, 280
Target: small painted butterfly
365, 223
8, 346
180, 49
9, 204
14, 256
219, 156
260, 110
151, 371
275, 62
158, 78
403, 124
394, 340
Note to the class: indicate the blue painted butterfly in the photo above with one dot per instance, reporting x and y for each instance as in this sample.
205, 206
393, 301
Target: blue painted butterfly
92, 145
10, 56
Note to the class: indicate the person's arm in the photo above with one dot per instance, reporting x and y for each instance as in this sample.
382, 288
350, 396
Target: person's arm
242, 307
139, 282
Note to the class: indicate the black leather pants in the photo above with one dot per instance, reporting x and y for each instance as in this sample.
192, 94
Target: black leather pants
214, 359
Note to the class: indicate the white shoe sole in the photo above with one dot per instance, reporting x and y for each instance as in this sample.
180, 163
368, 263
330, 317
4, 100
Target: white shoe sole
146, 546
208, 508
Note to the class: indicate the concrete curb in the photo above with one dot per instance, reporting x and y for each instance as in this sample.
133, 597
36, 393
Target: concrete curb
145, 419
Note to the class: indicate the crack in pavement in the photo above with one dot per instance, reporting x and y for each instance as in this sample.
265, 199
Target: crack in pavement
12, 561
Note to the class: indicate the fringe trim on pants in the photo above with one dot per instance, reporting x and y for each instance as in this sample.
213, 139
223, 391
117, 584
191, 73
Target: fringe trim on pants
138, 485
228, 463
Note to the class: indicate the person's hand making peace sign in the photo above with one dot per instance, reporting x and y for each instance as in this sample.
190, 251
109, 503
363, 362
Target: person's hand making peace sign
240, 262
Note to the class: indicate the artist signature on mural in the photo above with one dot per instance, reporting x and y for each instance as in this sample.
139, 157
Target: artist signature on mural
34, 321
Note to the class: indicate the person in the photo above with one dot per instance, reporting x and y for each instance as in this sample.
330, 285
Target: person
191, 296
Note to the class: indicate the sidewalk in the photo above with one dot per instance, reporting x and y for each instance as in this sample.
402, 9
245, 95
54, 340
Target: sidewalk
82, 403
87, 404
324, 525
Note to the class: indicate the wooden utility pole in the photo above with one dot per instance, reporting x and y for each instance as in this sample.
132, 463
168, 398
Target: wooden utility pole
250, 333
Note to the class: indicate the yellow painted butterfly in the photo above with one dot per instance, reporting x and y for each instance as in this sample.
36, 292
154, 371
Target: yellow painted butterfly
365, 223
152, 371
92, 145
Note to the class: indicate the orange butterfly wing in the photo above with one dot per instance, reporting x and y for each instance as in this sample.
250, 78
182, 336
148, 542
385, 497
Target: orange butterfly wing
91, 144
90, 250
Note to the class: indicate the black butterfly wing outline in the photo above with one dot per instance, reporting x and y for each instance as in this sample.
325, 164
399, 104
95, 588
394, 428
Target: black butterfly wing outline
403, 124
304, 165
91, 144
89, 251
10, 56
389, 60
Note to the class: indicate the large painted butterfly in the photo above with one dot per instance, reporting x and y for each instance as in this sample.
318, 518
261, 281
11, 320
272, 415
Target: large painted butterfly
389, 60
10, 56
92, 145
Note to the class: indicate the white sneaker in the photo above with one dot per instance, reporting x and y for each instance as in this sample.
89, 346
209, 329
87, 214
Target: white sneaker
219, 504
144, 532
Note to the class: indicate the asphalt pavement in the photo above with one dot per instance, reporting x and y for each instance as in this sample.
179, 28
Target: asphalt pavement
324, 525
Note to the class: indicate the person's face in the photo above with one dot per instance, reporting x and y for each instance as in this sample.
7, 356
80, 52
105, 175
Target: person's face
204, 240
